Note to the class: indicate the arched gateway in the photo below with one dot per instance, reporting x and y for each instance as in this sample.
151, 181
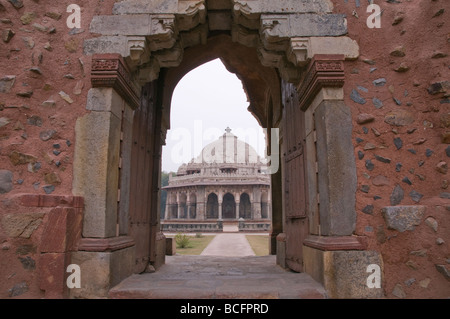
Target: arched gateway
290, 57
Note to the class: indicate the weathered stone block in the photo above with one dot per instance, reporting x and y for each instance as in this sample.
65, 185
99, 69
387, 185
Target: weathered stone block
333, 45
337, 168
281, 250
399, 118
96, 176
171, 246
344, 274
303, 25
107, 44
100, 271
52, 275
160, 257
403, 218
62, 230
136, 24
21, 224
104, 100
6, 184
18, 289
143, 6
18, 158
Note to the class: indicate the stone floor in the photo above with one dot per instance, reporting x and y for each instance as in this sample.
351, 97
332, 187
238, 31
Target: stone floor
217, 277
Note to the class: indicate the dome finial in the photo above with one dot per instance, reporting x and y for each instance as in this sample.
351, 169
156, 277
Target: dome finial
228, 130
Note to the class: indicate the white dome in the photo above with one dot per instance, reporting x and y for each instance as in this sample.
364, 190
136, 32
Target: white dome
228, 150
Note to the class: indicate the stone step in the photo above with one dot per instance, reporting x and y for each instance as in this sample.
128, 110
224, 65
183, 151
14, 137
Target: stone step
207, 277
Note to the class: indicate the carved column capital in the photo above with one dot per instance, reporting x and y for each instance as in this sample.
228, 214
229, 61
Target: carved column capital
110, 70
325, 70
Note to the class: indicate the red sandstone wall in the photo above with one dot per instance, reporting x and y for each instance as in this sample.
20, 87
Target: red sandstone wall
40, 159
37, 135
420, 29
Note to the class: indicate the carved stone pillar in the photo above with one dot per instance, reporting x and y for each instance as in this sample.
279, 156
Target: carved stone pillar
167, 212
188, 204
179, 213
220, 209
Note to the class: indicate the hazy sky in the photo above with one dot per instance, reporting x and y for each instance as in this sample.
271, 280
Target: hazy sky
205, 102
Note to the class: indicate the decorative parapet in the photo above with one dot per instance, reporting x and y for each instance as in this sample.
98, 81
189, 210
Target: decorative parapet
109, 70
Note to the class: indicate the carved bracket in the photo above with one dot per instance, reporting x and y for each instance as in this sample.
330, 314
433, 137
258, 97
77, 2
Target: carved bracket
323, 71
139, 52
110, 70
297, 52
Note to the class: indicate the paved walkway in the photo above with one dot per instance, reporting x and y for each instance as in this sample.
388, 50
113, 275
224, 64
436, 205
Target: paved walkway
226, 269
229, 244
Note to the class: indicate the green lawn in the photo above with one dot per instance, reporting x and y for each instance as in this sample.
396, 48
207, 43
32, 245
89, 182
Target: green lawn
196, 245
259, 244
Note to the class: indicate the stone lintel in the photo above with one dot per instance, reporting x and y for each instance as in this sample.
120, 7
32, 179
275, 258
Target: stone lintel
282, 6
278, 27
138, 24
323, 71
110, 70
134, 24
330, 243
105, 244
248, 13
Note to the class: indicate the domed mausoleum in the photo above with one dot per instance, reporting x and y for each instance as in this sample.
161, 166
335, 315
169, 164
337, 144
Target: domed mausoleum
225, 183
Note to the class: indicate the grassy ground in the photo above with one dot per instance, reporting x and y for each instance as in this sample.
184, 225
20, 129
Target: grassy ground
259, 244
196, 245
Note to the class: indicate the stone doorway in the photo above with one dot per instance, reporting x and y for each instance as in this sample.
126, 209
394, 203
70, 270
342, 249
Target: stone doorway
228, 207
212, 207
289, 58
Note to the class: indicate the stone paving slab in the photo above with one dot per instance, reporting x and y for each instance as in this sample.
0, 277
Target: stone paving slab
211, 277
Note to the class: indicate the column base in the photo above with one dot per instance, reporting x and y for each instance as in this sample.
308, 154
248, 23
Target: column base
344, 274
281, 250
103, 263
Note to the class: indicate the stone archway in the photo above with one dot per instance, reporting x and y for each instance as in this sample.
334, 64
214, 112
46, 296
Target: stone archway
245, 206
228, 207
212, 206
290, 59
